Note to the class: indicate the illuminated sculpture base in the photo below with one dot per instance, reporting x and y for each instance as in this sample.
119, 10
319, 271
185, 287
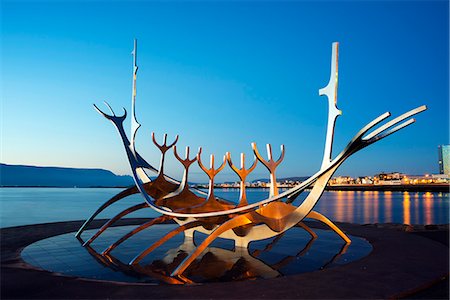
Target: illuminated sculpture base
288, 254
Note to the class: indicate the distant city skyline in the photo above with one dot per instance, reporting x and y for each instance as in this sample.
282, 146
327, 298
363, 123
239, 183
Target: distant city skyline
222, 75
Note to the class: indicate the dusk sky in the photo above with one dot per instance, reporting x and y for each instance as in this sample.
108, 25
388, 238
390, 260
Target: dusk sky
222, 75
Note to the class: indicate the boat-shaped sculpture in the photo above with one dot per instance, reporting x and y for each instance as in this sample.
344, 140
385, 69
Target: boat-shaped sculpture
196, 210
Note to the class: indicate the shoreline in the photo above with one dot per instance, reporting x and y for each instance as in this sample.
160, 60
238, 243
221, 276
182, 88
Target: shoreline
437, 188
392, 188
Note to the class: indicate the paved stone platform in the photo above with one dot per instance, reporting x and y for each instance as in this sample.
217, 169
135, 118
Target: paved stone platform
402, 264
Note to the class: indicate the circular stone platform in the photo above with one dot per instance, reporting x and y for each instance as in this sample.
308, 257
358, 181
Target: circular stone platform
400, 263
292, 252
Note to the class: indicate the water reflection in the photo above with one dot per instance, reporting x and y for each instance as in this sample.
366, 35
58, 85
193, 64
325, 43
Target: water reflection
375, 206
347, 206
216, 264
340, 205
385, 207
292, 252
351, 206
388, 207
406, 209
366, 205
428, 207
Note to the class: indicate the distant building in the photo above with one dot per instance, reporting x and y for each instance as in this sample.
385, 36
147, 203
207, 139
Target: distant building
444, 159
364, 180
441, 178
394, 178
420, 179
341, 180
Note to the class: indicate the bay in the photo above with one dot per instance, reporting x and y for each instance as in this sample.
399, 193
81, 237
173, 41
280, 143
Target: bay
24, 206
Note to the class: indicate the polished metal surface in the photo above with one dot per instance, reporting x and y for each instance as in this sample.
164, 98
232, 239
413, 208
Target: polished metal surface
244, 222
130, 191
136, 230
242, 173
271, 166
115, 219
134, 123
333, 112
211, 172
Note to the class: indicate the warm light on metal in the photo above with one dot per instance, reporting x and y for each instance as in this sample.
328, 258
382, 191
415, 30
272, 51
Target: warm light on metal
195, 210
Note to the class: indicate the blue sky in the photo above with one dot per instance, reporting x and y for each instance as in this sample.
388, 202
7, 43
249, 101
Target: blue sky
222, 75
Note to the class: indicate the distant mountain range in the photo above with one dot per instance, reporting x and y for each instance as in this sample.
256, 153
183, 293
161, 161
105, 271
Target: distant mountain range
30, 176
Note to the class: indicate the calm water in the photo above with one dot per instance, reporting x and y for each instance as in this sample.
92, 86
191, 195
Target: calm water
22, 206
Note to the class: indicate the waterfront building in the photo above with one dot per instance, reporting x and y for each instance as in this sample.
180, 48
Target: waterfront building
341, 180
441, 178
426, 179
364, 180
394, 178
444, 159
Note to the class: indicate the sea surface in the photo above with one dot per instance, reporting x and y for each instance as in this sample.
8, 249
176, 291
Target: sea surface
24, 206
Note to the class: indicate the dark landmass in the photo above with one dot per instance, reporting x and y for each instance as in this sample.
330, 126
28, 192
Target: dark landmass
30, 176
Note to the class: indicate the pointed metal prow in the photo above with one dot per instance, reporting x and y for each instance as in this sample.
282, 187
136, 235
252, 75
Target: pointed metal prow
112, 117
396, 121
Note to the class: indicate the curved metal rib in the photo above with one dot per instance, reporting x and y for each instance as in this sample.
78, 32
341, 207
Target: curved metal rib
307, 229
395, 121
136, 230
130, 191
161, 241
318, 216
114, 219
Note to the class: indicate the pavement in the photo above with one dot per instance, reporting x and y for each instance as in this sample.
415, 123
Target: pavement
406, 262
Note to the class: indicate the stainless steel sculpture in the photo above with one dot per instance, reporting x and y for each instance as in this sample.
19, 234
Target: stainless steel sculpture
195, 210
235, 264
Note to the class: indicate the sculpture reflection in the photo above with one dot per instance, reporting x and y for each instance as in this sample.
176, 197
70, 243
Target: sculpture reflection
216, 264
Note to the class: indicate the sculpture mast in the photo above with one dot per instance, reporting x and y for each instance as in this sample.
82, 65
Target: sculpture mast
134, 123
333, 112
